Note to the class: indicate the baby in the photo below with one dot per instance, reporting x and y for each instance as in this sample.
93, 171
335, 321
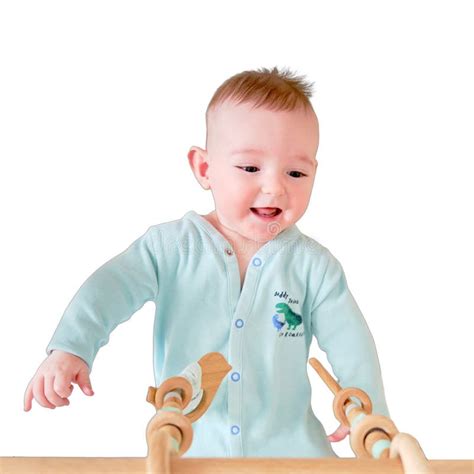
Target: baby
242, 280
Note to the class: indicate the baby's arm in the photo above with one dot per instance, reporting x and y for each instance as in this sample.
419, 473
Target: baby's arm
341, 331
107, 298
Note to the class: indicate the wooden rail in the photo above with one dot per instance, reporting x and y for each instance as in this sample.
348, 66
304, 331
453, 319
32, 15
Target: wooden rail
44, 465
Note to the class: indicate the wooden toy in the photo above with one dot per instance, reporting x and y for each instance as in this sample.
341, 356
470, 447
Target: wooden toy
372, 435
378, 445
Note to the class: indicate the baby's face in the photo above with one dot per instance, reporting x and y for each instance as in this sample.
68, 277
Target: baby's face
262, 166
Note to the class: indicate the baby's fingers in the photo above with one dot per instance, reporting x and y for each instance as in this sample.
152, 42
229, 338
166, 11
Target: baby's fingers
62, 385
38, 393
28, 397
341, 432
50, 393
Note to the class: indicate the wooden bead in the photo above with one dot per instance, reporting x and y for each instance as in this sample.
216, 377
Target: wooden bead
343, 396
374, 437
182, 423
171, 384
382, 427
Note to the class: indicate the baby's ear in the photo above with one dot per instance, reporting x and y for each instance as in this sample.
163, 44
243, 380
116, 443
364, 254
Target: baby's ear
199, 162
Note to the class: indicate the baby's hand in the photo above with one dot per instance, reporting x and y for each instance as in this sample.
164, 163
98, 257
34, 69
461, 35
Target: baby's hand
338, 435
52, 384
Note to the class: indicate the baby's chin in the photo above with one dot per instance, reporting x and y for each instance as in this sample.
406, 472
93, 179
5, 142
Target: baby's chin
267, 233
254, 232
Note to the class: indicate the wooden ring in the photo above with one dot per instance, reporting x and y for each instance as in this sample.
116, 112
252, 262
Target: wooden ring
177, 420
366, 425
171, 384
343, 396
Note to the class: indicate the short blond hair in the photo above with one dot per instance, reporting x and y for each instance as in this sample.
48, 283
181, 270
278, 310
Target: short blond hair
270, 88
274, 89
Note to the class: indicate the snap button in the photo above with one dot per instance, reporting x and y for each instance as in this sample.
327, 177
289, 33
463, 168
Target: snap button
235, 376
229, 252
239, 323
256, 262
235, 430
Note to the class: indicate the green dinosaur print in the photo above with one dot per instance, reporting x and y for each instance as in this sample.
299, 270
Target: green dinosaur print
291, 317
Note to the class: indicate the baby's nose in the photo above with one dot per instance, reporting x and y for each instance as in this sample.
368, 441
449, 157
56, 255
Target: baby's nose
273, 186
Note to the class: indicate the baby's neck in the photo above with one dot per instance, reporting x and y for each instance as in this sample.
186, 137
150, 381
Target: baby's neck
242, 246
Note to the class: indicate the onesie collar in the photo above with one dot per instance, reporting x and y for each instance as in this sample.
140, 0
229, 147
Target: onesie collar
283, 239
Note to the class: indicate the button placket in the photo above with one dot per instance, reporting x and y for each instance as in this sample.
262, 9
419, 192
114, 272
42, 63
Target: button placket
241, 315
237, 300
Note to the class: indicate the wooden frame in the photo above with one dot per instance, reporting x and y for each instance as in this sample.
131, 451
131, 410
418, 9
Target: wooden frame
169, 435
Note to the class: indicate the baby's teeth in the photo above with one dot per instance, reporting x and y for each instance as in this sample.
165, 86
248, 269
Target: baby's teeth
272, 213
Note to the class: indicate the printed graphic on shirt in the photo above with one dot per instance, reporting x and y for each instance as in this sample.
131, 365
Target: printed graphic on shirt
286, 320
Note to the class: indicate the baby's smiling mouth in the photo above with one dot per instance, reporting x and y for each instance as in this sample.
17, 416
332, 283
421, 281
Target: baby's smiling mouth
266, 211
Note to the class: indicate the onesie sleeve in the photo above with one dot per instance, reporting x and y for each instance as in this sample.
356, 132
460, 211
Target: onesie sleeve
110, 296
342, 332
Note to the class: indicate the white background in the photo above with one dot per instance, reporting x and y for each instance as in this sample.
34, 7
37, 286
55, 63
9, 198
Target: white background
99, 104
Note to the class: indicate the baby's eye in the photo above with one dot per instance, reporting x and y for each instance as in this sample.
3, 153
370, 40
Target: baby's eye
296, 174
248, 169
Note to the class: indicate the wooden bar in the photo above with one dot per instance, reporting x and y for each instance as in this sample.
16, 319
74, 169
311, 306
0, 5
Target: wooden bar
325, 375
44, 465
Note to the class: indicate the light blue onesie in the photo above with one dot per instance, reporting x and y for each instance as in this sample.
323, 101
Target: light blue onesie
294, 288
